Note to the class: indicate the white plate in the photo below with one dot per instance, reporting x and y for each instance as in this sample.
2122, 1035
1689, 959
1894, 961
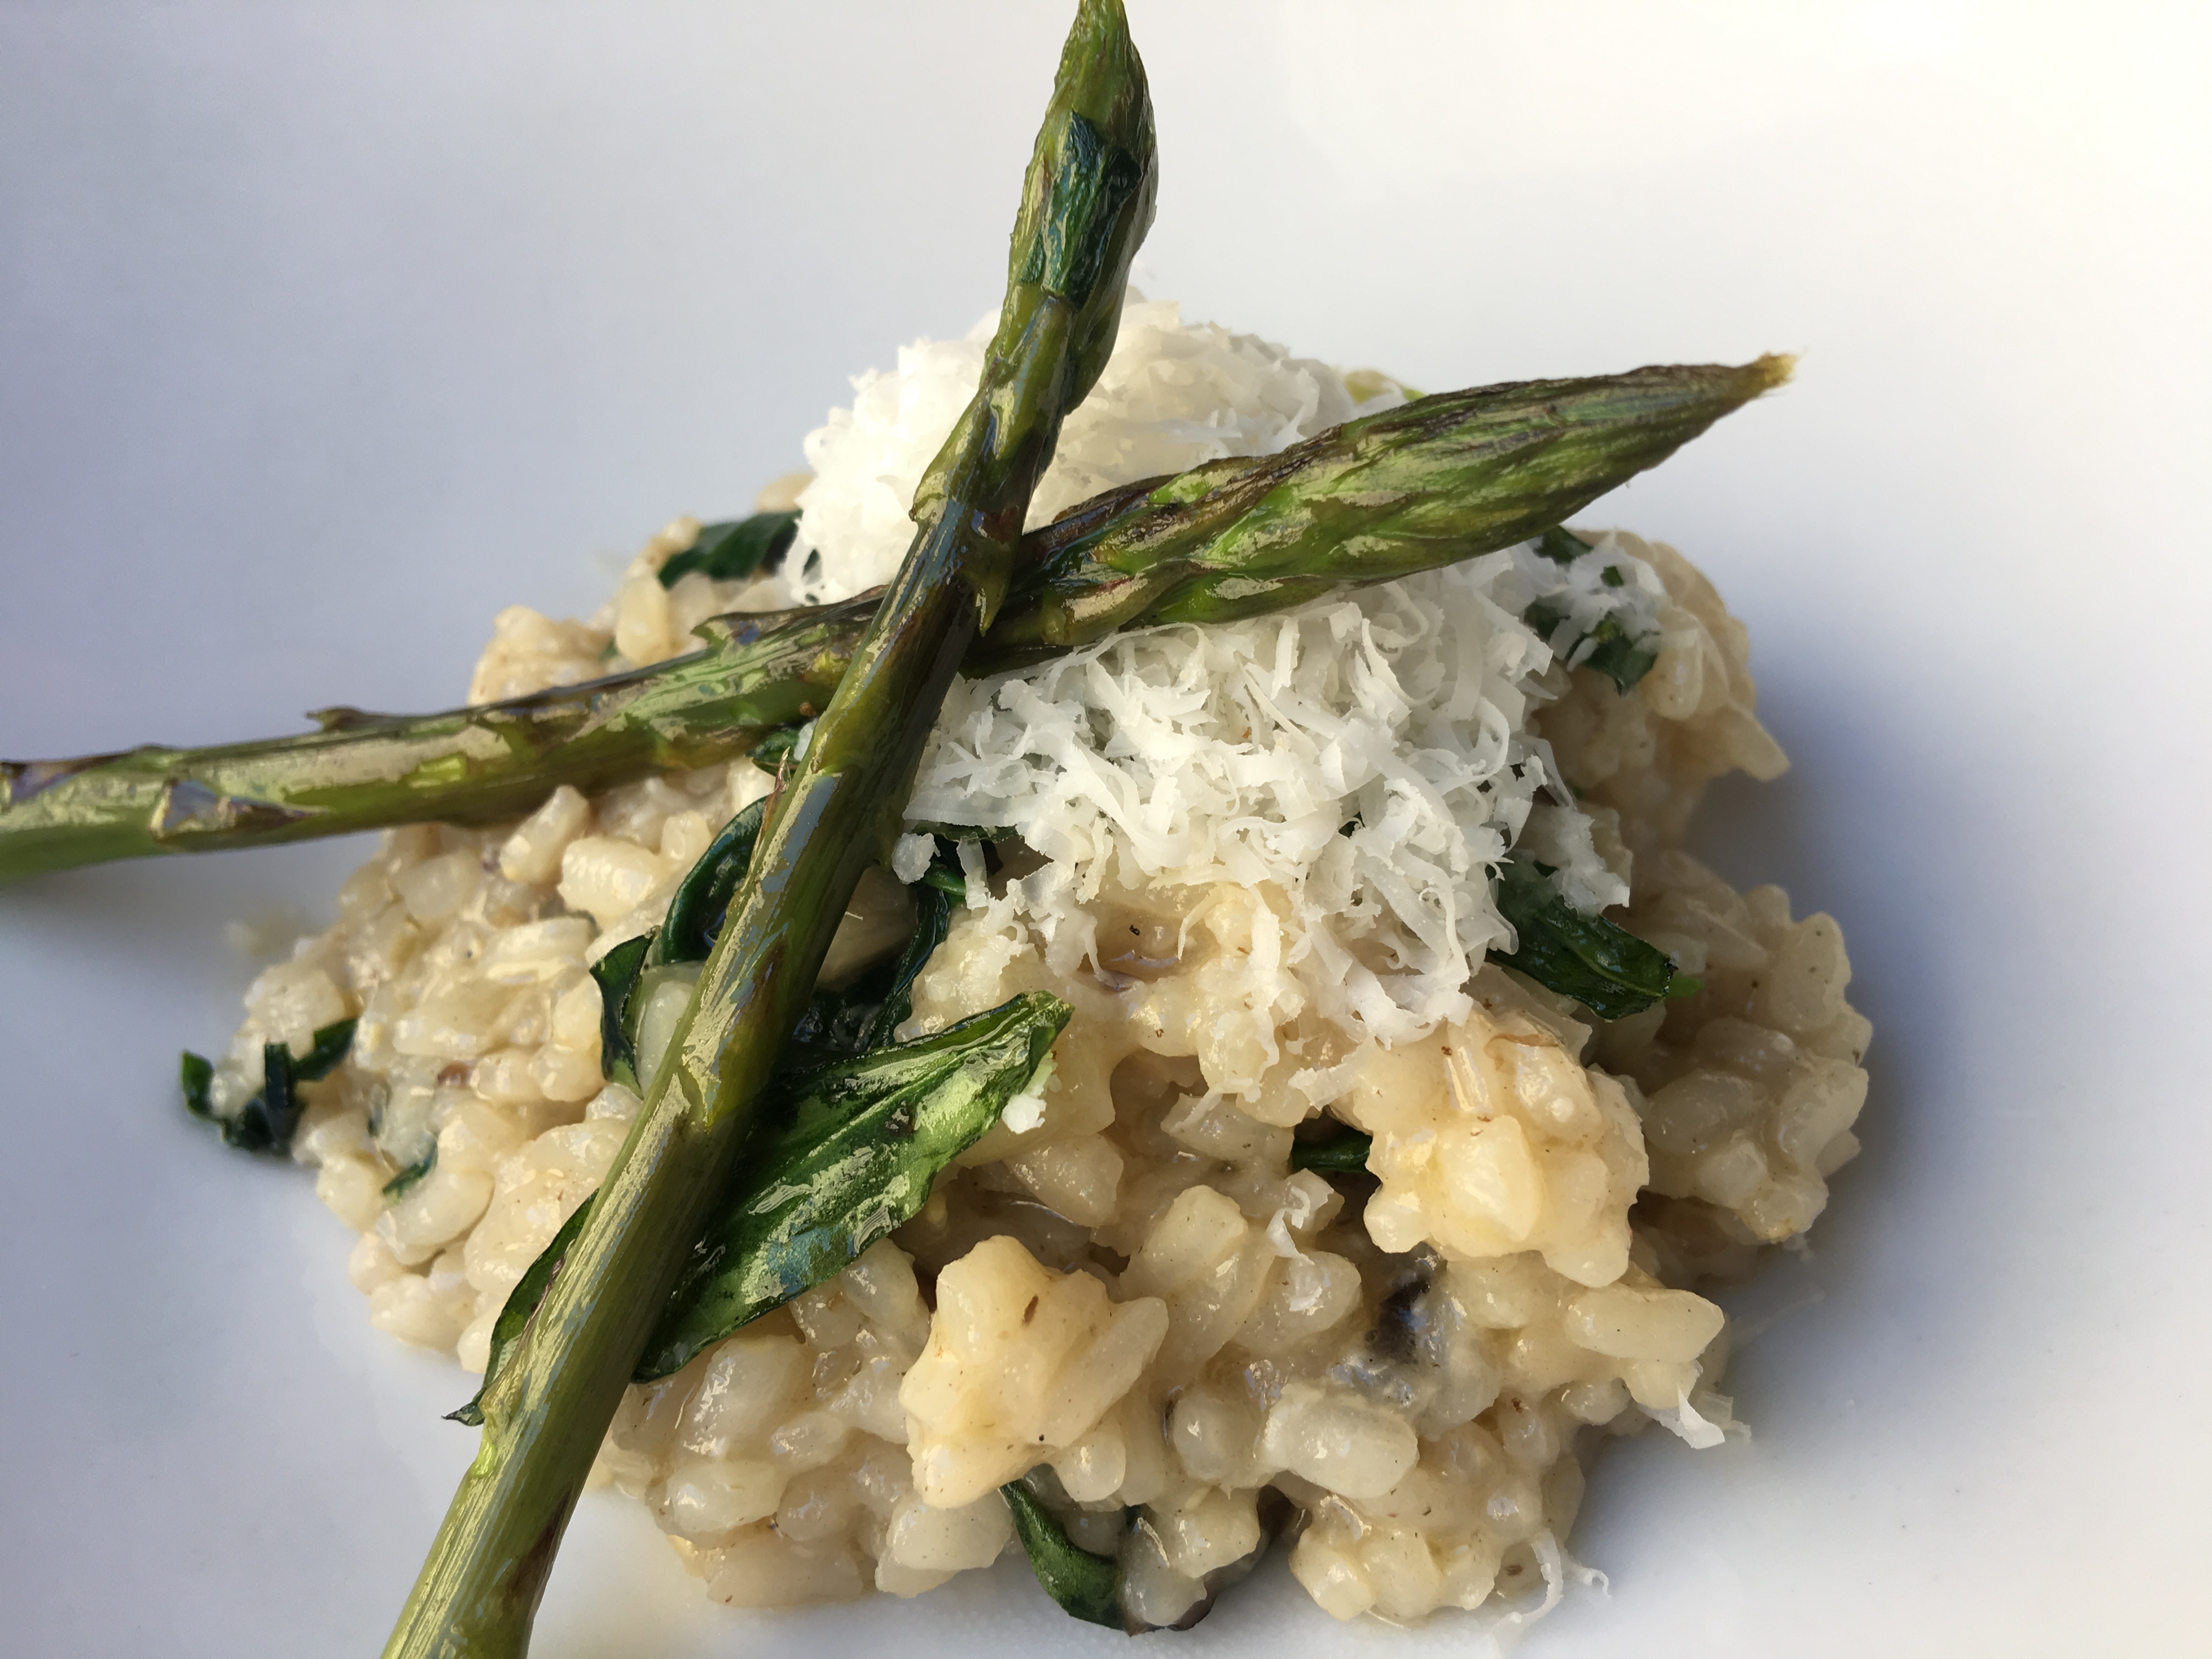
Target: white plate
328, 331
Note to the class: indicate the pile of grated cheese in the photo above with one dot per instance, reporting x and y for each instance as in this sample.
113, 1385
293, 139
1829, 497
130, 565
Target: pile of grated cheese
1361, 762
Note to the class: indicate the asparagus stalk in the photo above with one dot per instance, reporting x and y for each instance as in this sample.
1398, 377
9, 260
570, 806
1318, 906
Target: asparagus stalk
478, 765
1087, 202
1429, 482
1442, 479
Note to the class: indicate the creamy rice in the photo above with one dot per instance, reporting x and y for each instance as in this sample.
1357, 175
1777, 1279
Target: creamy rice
1130, 1290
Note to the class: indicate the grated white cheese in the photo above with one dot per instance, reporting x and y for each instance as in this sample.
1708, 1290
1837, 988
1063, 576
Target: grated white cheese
1360, 762
1688, 1418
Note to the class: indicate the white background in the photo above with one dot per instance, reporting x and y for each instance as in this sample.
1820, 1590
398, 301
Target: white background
326, 332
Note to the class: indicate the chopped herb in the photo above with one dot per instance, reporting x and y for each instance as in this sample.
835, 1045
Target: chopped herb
772, 751
195, 1073
862, 1015
409, 1178
1344, 1152
1561, 545
735, 548
617, 973
1621, 660
1545, 618
694, 914
1600, 964
327, 1049
266, 1122
1087, 1587
960, 832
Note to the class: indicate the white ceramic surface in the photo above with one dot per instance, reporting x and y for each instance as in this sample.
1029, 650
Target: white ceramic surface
308, 311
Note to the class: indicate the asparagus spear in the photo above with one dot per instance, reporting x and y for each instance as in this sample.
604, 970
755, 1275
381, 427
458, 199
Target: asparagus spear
493, 760
1439, 480
1405, 490
1087, 202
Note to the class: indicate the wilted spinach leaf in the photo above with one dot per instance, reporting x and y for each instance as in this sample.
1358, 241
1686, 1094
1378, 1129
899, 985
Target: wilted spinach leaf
702, 898
1087, 1587
616, 974
735, 548
1600, 964
862, 1015
771, 750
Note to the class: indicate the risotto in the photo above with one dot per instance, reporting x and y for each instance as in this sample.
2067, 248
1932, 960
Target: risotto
1256, 860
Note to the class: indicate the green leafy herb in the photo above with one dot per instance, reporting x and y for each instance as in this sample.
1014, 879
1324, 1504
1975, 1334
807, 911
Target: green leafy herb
267, 1121
1088, 1587
195, 1073
735, 548
1600, 964
1620, 659
836, 1023
772, 751
1614, 653
940, 890
686, 935
617, 973
1561, 545
862, 1015
959, 832
694, 914
1344, 1152
324, 1052
409, 1178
